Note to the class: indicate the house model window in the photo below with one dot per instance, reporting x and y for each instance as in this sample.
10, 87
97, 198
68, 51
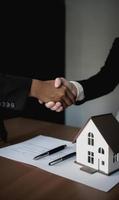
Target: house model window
115, 158
90, 157
90, 139
97, 144
101, 150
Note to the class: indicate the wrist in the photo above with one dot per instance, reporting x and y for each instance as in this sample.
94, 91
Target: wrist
35, 87
79, 90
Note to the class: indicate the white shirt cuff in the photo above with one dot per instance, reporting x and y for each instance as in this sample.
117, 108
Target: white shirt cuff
80, 91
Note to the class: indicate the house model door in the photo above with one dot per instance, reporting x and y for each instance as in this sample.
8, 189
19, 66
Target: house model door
101, 162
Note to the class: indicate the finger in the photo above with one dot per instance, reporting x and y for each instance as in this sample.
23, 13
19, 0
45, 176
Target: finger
50, 104
69, 85
68, 99
58, 82
56, 106
60, 109
71, 96
41, 102
65, 82
66, 102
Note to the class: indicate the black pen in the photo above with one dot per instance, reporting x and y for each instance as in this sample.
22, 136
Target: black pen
62, 158
59, 148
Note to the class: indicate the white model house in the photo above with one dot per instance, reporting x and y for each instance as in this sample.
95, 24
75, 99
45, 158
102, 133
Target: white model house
97, 144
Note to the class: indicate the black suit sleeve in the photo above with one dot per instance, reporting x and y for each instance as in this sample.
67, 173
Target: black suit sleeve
13, 94
106, 79
13, 91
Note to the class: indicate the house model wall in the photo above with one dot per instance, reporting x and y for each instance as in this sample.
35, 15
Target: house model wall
97, 144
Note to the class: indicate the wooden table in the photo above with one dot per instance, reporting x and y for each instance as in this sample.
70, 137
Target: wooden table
20, 181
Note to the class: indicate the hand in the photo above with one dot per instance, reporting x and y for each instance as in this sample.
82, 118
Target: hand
46, 92
58, 107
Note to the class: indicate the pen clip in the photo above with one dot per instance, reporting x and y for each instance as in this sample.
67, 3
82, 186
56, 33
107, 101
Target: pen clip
59, 148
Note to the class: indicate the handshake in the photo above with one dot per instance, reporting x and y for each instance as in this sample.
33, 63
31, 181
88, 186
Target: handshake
56, 94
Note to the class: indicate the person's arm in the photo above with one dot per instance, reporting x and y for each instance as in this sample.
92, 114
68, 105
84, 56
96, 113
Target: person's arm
106, 79
15, 90
13, 94
96, 86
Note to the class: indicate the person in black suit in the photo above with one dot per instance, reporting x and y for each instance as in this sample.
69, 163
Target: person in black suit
14, 92
96, 86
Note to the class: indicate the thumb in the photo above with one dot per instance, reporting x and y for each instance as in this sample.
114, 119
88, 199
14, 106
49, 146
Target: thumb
65, 82
58, 82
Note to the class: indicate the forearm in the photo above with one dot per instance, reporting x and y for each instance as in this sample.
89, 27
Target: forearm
106, 79
100, 84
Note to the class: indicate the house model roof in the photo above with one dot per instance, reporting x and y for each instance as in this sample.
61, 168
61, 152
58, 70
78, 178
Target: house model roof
109, 129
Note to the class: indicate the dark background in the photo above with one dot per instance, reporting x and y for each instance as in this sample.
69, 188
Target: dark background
33, 45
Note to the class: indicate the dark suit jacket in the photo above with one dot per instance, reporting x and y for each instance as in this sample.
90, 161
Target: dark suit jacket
106, 79
13, 91
13, 94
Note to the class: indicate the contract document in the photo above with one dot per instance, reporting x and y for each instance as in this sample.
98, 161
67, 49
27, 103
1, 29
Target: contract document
25, 152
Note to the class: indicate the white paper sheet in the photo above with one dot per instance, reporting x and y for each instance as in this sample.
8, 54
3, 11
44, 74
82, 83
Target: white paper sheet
27, 150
